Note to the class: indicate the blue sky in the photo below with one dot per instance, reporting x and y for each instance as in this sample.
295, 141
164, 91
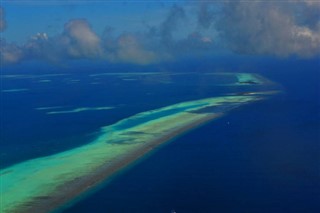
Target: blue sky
144, 32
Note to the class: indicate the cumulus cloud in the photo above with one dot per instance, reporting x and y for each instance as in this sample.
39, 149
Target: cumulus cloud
130, 49
275, 28
76, 41
2, 20
170, 39
80, 39
281, 28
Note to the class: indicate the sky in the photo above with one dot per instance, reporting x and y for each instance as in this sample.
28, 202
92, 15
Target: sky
148, 32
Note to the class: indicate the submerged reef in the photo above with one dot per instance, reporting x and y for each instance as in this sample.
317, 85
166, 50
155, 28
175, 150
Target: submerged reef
82, 109
43, 184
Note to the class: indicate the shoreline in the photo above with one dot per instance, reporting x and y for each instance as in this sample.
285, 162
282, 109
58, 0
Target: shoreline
74, 188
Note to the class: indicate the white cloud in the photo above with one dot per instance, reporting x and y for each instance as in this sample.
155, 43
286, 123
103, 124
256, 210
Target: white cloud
274, 28
259, 27
80, 39
130, 50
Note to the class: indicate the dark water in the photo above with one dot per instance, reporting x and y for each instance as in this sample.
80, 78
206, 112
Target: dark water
263, 157
28, 133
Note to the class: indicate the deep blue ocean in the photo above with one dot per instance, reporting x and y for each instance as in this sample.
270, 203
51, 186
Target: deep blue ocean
262, 157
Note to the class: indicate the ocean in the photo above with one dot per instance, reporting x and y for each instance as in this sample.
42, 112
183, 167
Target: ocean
261, 157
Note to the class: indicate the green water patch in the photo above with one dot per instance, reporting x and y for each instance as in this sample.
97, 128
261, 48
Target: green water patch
129, 123
217, 109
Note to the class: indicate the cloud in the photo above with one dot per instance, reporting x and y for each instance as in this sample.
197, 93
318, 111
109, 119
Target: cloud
170, 24
2, 20
174, 37
274, 28
10, 53
130, 49
76, 41
280, 28
80, 40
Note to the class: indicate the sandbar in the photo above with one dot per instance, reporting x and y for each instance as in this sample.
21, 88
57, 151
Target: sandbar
15, 90
42, 184
82, 109
46, 183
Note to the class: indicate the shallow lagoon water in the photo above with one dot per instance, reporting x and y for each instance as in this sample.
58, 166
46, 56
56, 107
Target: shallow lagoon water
198, 174
261, 158
48, 134
43, 184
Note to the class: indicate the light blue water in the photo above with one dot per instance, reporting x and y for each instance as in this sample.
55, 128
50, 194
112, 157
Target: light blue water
262, 157
135, 121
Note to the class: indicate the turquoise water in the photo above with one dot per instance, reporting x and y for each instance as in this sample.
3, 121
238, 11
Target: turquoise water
133, 122
263, 157
259, 158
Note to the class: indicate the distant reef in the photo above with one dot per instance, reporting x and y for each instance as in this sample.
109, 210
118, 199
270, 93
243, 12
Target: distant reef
46, 183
